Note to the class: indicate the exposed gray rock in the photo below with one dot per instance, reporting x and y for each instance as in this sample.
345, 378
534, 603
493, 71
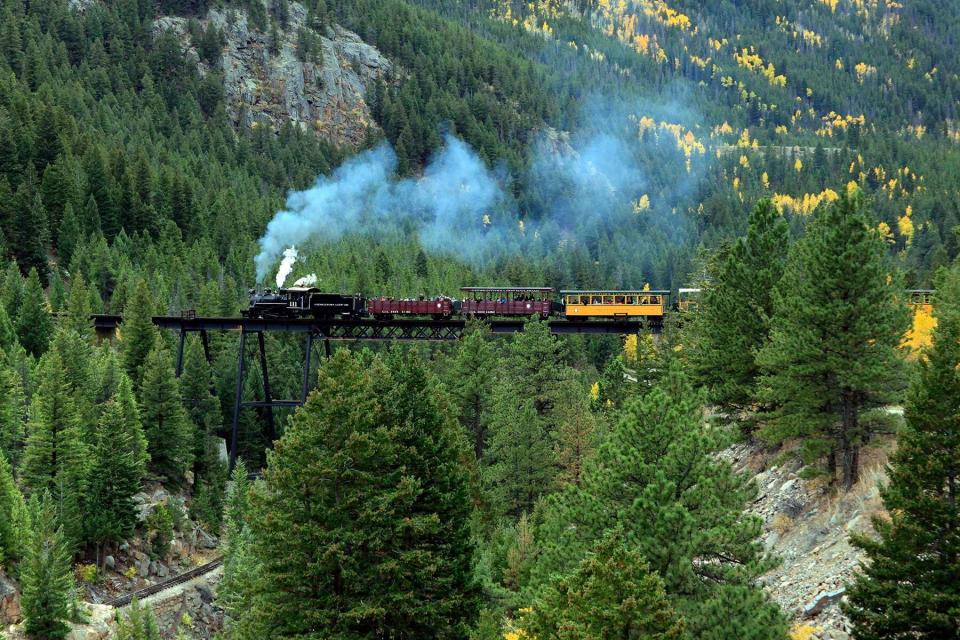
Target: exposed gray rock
823, 600
265, 88
162, 570
9, 601
110, 562
205, 592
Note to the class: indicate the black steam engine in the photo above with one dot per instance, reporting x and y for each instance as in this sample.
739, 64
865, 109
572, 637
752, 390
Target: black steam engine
299, 302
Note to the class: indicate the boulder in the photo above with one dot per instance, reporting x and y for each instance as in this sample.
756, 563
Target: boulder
110, 562
206, 593
822, 600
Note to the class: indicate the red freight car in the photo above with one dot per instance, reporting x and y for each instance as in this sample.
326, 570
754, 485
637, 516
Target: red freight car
507, 301
385, 308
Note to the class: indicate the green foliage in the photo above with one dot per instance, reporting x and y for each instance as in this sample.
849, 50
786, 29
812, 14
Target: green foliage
732, 322
34, 324
56, 458
472, 372
139, 336
119, 464
12, 526
656, 475
138, 623
159, 526
384, 549
169, 431
611, 594
908, 588
837, 325
46, 575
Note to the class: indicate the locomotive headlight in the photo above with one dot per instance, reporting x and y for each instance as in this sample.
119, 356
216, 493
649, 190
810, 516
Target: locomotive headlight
438, 305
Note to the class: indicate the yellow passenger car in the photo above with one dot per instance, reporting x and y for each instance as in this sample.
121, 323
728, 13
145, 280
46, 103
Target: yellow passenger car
614, 304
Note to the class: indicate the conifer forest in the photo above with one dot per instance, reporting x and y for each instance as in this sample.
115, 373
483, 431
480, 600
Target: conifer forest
479, 319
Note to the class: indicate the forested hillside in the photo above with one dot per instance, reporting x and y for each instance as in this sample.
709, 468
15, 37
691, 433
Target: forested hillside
771, 153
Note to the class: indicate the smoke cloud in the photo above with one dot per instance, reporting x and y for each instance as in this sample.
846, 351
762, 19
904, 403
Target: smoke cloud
584, 186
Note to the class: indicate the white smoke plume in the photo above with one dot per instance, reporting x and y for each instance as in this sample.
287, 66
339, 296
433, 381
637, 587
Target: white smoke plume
306, 281
286, 265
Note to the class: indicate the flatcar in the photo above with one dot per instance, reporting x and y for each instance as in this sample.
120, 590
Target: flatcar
298, 302
620, 304
507, 301
384, 308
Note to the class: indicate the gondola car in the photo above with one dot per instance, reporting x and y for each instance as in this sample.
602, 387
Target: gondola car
303, 302
384, 308
598, 303
507, 301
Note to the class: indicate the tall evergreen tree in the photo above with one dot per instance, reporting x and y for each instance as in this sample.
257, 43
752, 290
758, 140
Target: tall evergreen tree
520, 465
472, 383
835, 336
138, 333
46, 573
733, 321
13, 406
29, 239
34, 322
681, 509
170, 434
137, 623
77, 316
117, 472
12, 524
910, 587
610, 595
56, 458
367, 493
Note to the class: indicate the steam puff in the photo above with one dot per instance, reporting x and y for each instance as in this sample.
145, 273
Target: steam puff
446, 205
286, 265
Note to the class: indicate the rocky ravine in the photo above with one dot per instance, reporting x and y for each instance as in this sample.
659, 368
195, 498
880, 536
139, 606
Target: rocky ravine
807, 525
266, 89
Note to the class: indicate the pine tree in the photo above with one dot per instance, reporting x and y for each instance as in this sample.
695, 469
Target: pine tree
56, 458
909, 587
138, 623
30, 236
8, 334
239, 583
472, 383
69, 235
78, 310
138, 335
119, 464
733, 321
170, 434
12, 526
837, 326
34, 322
12, 411
367, 493
13, 291
681, 509
46, 573
611, 594
520, 463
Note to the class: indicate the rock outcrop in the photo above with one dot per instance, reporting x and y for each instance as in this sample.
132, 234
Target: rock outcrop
266, 84
9, 601
807, 525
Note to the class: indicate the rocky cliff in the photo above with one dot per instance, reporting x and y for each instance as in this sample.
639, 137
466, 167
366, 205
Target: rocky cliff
267, 82
807, 525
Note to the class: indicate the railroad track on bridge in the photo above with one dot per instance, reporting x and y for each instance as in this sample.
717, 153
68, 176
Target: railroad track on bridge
186, 576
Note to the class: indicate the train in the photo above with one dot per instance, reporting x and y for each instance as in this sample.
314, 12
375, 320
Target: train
473, 302
487, 302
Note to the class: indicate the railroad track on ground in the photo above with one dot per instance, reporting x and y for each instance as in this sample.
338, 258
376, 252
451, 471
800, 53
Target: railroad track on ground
186, 576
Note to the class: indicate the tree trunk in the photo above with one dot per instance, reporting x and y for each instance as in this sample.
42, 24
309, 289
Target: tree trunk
848, 444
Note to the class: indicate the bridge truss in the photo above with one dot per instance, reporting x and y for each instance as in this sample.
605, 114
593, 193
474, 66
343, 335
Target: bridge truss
327, 330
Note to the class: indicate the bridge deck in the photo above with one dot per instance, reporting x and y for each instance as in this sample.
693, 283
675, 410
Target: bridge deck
370, 329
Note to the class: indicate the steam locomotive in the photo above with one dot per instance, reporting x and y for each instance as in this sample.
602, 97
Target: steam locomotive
303, 302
